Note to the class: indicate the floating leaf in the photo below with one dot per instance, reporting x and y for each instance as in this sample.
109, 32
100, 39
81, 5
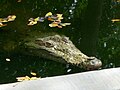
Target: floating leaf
37, 19
3, 20
32, 73
32, 23
31, 19
64, 24
115, 20
26, 78
53, 24
48, 14
23, 78
59, 16
58, 24
56, 17
2, 25
33, 78
8, 19
11, 18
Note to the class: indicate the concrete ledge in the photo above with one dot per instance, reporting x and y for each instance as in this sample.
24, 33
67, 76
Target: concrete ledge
107, 79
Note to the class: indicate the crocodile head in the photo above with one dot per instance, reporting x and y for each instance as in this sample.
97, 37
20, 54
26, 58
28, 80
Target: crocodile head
61, 49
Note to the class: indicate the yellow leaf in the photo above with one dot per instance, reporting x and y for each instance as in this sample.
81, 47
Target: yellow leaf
32, 73
3, 20
32, 23
59, 16
11, 17
115, 20
64, 24
31, 19
68, 23
36, 19
48, 14
23, 78
33, 78
53, 24
1, 24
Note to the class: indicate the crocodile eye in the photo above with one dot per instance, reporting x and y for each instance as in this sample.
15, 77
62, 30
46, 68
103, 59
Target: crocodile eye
48, 44
65, 39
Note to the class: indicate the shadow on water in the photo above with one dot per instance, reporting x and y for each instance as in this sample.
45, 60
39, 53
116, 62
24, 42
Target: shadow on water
12, 36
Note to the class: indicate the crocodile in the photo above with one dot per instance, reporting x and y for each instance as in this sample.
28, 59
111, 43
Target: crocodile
61, 48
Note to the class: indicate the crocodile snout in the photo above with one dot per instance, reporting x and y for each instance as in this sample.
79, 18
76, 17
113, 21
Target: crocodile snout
94, 64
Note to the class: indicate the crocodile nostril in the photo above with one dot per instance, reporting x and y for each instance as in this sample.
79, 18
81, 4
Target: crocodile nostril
93, 62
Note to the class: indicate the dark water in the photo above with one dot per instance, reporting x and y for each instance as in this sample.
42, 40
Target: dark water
11, 36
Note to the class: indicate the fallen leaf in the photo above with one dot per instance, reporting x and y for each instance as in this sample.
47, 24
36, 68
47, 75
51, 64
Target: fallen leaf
33, 78
3, 20
2, 25
59, 16
32, 73
115, 20
37, 19
32, 23
23, 78
26, 78
54, 24
64, 24
11, 17
48, 14
31, 19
